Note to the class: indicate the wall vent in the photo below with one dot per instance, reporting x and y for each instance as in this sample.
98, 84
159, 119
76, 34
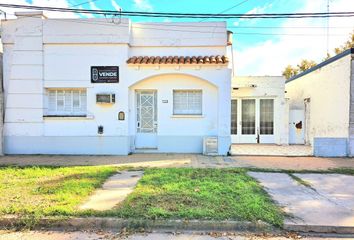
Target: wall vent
210, 146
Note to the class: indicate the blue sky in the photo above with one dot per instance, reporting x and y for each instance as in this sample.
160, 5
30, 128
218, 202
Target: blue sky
285, 41
206, 6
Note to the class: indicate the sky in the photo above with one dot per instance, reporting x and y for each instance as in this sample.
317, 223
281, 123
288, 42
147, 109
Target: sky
260, 46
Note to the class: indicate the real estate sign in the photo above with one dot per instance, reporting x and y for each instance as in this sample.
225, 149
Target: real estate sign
104, 74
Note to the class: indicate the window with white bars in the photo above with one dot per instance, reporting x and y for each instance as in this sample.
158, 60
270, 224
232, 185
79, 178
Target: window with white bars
68, 102
187, 102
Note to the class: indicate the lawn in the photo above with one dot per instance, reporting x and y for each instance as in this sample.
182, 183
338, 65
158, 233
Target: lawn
184, 193
48, 190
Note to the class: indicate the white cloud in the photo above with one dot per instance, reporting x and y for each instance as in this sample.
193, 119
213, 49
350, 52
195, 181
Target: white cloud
167, 20
255, 10
85, 15
115, 5
93, 6
143, 5
271, 56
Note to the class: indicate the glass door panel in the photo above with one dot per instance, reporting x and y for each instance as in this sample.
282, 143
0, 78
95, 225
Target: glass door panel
234, 117
266, 116
248, 121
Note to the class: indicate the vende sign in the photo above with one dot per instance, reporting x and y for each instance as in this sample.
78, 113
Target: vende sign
104, 74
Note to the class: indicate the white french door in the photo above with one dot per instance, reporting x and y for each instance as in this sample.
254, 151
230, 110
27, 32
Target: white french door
252, 120
146, 119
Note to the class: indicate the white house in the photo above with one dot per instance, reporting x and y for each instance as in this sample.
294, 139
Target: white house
321, 102
93, 86
259, 110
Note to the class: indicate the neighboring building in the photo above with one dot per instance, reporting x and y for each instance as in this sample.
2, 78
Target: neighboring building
321, 102
259, 110
1, 106
90, 86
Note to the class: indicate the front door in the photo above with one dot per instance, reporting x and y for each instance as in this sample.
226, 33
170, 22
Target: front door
296, 126
146, 119
252, 120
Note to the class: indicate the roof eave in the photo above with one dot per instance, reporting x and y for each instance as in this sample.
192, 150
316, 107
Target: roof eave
322, 64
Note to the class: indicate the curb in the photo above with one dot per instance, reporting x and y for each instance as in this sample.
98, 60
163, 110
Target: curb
318, 228
117, 224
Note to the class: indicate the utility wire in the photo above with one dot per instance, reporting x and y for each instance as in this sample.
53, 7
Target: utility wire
228, 9
83, 3
166, 28
188, 15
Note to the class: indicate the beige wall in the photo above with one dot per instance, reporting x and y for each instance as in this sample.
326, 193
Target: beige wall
329, 91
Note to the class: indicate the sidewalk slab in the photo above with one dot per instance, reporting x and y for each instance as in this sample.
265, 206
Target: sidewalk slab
309, 206
338, 188
113, 191
165, 160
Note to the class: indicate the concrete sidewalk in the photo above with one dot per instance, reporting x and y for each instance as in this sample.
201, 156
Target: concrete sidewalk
316, 200
182, 160
56, 235
113, 191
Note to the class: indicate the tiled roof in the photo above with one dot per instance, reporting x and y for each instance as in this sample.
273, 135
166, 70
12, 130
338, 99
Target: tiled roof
178, 60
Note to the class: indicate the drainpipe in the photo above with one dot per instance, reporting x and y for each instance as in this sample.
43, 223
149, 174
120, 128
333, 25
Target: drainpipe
229, 43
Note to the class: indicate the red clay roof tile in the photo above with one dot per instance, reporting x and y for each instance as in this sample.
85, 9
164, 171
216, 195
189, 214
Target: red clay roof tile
178, 60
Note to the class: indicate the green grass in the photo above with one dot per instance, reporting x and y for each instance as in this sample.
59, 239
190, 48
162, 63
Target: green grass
218, 194
300, 180
48, 191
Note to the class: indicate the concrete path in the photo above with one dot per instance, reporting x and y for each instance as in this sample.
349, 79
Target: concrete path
113, 191
182, 160
328, 201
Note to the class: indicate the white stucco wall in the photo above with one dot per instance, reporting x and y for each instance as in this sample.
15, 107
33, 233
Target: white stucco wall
328, 89
55, 53
265, 87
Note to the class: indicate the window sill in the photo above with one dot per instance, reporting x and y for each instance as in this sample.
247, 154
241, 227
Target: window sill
64, 117
186, 116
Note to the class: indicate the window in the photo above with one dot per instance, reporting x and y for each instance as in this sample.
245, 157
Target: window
266, 116
187, 102
71, 102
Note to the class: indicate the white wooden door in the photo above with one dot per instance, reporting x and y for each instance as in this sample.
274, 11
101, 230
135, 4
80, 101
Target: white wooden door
252, 120
146, 119
296, 126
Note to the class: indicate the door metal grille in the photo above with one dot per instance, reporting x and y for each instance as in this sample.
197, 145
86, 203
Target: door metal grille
146, 112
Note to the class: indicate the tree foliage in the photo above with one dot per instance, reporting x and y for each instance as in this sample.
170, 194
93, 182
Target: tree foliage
348, 44
305, 64
290, 71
